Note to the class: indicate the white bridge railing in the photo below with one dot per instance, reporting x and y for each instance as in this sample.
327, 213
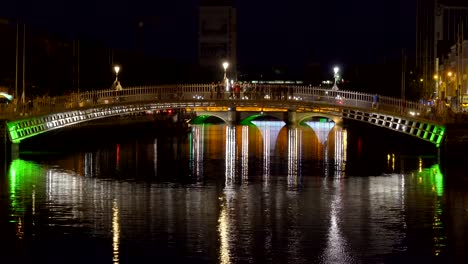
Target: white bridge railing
262, 94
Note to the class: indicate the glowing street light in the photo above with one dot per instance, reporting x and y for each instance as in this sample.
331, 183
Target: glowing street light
335, 76
117, 85
225, 66
116, 70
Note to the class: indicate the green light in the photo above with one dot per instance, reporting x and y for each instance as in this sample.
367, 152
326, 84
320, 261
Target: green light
435, 178
20, 174
248, 120
323, 120
441, 136
438, 179
200, 119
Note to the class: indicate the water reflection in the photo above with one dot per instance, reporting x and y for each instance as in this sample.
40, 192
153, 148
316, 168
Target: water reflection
115, 231
231, 154
337, 248
294, 156
197, 150
245, 155
234, 215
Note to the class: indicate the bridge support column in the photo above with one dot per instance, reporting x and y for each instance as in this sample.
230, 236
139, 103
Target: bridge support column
10, 150
291, 118
231, 116
14, 153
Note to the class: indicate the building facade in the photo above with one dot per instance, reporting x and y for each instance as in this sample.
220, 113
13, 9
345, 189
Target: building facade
217, 38
453, 73
440, 24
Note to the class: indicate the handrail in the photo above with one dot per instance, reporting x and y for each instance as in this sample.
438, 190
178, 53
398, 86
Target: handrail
42, 105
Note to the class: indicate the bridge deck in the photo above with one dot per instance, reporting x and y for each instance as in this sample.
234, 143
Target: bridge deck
46, 113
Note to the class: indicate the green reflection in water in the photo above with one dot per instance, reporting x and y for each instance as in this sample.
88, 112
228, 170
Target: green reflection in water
436, 179
20, 173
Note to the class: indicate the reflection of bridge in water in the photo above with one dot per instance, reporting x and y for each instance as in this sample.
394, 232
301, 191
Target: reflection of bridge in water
292, 105
238, 152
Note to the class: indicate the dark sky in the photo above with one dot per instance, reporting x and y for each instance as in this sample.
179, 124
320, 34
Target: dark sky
287, 32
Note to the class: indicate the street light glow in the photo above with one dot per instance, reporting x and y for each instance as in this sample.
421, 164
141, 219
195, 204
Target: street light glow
116, 69
336, 70
225, 65
449, 74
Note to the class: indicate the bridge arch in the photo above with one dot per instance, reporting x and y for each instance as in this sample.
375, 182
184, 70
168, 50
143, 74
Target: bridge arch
200, 119
301, 117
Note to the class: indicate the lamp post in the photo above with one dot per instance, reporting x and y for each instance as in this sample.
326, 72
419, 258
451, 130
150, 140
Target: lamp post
117, 85
335, 76
116, 70
436, 82
225, 66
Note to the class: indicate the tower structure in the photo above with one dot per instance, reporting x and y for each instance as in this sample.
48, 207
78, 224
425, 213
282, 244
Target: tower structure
217, 37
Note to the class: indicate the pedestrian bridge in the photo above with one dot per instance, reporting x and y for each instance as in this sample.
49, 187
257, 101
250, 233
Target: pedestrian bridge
291, 103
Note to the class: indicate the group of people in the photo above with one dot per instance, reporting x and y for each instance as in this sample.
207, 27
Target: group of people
246, 90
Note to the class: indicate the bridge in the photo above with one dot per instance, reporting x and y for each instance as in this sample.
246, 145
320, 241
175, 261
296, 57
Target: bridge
291, 103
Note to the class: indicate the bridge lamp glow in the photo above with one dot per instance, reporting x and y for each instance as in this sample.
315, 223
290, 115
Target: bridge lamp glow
116, 70
449, 74
225, 66
336, 70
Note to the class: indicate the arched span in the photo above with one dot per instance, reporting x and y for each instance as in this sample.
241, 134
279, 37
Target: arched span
301, 117
200, 119
248, 120
321, 129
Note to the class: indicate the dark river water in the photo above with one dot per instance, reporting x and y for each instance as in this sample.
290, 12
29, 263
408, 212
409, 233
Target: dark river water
263, 193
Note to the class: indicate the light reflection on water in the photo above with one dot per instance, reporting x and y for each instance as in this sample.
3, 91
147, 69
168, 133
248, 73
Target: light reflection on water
263, 201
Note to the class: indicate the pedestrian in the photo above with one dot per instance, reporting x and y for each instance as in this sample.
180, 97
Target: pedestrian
375, 101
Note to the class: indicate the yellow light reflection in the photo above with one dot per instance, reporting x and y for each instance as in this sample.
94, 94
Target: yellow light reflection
223, 230
198, 135
115, 232
19, 229
230, 154
293, 156
245, 154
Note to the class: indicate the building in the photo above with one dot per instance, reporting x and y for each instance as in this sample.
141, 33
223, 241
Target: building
217, 38
439, 25
453, 73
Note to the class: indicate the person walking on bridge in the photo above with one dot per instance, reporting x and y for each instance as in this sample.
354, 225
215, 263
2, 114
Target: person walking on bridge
375, 101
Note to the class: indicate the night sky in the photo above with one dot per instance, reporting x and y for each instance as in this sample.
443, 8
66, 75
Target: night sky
292, 32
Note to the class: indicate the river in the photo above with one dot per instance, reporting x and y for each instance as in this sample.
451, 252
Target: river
263, 193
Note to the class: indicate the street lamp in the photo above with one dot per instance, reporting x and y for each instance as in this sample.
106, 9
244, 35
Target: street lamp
335, 76
116, 70
225, 66
117, 85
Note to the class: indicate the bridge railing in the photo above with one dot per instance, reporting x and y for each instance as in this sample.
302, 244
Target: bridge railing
191, 92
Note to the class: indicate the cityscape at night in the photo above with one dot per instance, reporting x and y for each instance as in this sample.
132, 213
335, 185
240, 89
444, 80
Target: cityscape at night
229, 131
162, 42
